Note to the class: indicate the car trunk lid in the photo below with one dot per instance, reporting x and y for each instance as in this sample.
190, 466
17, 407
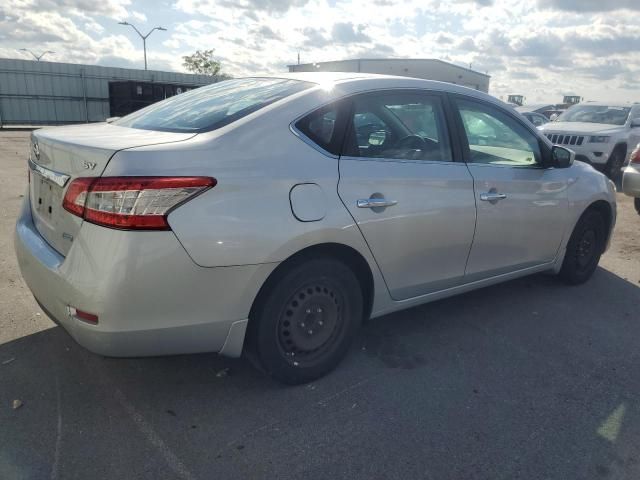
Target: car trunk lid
59, 155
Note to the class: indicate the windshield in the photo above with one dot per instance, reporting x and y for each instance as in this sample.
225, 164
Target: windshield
596, 114
213, 106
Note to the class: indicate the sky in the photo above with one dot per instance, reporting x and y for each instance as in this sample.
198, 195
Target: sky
543, 49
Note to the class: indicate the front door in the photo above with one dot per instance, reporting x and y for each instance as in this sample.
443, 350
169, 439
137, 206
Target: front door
522, 206
412, 202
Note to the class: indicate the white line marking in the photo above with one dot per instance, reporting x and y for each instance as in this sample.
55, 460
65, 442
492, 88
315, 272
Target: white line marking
153, 438
56, 453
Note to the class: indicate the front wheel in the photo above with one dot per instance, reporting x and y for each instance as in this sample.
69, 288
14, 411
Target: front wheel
584, 249
306, 321
636, 203
614, 166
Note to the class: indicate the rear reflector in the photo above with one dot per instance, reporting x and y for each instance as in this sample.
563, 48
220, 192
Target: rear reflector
131, 203
635, 155
82, 315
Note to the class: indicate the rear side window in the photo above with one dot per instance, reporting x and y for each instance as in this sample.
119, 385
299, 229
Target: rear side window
323, 127
213, 106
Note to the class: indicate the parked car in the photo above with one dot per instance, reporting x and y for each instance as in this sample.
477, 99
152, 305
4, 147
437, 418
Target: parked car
631, 178
553, 114
600, 134
273, 215
536, 119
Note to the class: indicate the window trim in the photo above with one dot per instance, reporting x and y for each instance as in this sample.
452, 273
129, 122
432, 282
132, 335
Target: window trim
302, 136
545, 151
456, 153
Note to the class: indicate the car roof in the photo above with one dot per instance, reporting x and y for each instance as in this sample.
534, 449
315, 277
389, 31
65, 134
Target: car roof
361, 82
534, 107
609, 104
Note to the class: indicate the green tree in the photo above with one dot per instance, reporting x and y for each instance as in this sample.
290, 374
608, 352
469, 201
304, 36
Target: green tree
203, 63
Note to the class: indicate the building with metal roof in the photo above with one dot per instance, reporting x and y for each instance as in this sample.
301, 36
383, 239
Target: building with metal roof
426, 68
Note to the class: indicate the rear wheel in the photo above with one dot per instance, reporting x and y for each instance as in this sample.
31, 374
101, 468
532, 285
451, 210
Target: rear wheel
636, 203
305, 323
614, 166
584, 248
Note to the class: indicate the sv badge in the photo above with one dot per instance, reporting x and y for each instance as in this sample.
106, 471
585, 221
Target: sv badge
89, 165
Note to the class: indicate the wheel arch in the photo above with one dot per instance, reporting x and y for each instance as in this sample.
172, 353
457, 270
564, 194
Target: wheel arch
603, 208
622, 146
348, 255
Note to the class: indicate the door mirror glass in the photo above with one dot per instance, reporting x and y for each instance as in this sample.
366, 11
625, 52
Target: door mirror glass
561, 157
377, 138
635, 123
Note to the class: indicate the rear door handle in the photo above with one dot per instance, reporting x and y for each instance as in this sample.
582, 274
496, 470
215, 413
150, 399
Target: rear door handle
375, 203
492, 196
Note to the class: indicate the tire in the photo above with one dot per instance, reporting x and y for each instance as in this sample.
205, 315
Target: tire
613, 170
305, 322
584, 249
636, 203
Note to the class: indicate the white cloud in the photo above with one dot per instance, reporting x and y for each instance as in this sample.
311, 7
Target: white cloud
529, 47
139, 16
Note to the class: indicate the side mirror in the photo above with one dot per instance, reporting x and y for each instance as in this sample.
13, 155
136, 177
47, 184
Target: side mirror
635, 123
562, 157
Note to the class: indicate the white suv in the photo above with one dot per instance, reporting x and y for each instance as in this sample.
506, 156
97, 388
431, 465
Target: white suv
601, 134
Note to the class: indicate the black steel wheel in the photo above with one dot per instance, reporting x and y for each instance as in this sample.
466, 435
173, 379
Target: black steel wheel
584, 249
311, 321
306, 320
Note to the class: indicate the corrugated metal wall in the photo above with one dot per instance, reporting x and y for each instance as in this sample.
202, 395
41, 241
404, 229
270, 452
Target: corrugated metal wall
49, 93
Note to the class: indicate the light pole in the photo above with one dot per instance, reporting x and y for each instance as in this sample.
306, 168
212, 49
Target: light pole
144, 38
37, 57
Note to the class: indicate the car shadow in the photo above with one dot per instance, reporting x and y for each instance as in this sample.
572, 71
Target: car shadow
528, 378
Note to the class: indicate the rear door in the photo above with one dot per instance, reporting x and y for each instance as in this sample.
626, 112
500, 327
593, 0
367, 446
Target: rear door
412, 200
522, 205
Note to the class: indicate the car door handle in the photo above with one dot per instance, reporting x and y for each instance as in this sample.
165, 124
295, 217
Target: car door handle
492, 196
375, 203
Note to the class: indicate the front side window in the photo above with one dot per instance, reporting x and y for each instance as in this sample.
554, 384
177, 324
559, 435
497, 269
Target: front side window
406, 126
213, 106
609, 115
496, 138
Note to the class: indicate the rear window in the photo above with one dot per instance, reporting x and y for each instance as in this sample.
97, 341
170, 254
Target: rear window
213, 106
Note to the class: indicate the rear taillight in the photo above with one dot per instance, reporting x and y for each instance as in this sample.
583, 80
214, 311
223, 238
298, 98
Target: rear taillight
635, 155
131, 203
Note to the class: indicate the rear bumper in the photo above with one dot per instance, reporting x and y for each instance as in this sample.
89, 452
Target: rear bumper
150, 297
631, 181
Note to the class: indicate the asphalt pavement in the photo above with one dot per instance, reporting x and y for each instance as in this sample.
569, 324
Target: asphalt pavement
529, 379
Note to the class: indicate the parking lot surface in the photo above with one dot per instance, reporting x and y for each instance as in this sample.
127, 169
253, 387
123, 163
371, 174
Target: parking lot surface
529, 379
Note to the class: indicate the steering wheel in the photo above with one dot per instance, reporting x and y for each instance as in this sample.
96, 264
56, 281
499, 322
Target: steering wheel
412, 141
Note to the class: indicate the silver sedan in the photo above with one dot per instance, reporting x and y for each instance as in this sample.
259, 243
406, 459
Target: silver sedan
271, 216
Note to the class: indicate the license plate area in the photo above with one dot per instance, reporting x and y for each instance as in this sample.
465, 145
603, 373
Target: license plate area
46, 197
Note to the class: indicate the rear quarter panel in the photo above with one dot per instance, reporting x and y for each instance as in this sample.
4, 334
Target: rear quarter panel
247, 219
